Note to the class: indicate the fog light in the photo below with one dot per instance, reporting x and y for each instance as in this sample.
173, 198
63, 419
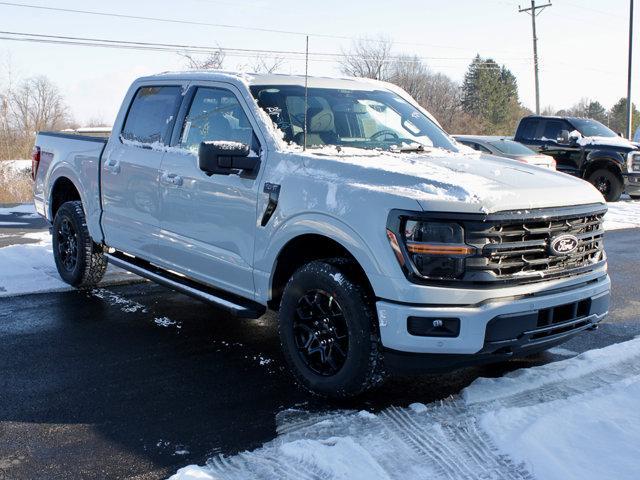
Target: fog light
433, 327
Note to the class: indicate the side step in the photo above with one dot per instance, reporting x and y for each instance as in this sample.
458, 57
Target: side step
233, 304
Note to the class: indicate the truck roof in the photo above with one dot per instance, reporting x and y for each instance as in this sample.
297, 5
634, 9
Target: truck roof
270, 79
558, 117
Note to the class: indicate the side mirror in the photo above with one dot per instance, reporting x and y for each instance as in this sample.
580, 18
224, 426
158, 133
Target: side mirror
564, 137
224, 158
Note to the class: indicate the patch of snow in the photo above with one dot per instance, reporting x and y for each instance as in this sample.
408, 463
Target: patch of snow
166, 322
563, 352
573, 419
30, 268
622, 214
26, 210
126, 305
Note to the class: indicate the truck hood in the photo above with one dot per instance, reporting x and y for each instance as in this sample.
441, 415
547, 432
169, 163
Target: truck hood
440, 180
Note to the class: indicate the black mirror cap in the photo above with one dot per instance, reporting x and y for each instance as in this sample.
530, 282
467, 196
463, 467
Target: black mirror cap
223, 156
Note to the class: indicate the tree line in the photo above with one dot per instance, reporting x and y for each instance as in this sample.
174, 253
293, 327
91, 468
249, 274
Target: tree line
485, 103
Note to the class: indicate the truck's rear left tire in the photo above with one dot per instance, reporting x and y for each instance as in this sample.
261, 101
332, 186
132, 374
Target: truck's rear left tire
80, 261
329, 332
607, 183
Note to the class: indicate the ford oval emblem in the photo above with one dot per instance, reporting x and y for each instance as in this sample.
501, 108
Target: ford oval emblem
563, 245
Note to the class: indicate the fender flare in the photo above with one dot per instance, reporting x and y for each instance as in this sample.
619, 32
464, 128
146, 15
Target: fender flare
326, 226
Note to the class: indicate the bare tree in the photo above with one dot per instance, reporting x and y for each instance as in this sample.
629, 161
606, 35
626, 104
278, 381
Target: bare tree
263, 64
368, 57
409, 73
34, 104
212, 61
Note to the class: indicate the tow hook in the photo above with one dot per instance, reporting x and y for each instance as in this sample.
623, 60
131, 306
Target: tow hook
593, 327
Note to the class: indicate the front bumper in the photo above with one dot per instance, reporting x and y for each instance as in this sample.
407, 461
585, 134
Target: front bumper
632, 183
495, 329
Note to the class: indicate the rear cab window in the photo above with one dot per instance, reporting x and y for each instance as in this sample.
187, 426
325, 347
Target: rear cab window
151, 115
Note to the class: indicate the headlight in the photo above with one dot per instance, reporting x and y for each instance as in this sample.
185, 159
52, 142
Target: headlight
433, 250
633, 162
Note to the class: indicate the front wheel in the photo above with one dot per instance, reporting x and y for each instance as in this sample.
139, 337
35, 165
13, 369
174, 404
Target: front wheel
80, 262
328, 331
607, 183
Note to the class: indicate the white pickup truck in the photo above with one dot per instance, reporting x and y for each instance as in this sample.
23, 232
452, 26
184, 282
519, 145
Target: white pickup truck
384, 245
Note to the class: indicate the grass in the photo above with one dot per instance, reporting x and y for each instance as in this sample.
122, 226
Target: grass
15, 184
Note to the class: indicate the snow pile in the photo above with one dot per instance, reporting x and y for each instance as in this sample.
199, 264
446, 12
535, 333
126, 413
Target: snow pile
622, 214
574, 419
31, 269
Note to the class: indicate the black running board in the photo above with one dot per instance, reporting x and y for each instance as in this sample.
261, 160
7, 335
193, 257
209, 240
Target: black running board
233, 304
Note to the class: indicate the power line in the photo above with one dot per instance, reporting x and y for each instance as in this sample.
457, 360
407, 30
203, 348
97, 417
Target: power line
199, 49
222, 25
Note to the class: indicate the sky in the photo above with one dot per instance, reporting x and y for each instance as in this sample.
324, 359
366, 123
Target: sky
582, 44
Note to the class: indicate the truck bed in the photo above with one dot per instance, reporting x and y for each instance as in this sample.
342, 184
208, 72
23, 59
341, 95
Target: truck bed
76, 157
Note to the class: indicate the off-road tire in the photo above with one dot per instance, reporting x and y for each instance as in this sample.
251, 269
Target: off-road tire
363, 367
607, 183
90, 263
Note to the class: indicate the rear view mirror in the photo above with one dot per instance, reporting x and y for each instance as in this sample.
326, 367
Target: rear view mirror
224, 158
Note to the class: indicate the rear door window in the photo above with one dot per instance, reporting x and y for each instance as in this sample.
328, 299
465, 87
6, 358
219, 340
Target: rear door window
151, 115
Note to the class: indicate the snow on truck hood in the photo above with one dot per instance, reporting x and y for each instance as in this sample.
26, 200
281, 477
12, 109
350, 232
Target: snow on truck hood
441, 180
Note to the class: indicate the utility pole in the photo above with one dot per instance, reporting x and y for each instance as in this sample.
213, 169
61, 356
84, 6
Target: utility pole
629, 104
534, 11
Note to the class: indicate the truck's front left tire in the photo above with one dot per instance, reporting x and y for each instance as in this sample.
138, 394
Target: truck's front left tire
328, 331
607, 183
80, 262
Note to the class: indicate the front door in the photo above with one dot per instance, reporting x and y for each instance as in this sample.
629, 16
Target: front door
208, 222
568, 157
130, 171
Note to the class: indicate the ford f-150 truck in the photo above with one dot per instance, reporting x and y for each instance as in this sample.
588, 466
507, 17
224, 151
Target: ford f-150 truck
384, 245
587, 149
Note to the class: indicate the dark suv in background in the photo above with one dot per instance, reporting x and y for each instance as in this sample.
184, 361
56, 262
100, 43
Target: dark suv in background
587, 149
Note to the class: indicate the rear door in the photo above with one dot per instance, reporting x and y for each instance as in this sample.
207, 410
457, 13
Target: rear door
130, 171
208, 222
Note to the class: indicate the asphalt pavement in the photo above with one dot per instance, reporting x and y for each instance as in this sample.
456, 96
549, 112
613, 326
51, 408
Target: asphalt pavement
136, 381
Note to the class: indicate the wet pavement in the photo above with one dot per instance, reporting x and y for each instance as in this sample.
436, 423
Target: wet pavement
136, 381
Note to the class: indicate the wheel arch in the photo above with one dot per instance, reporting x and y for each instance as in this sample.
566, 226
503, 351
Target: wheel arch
303, 249
606, 163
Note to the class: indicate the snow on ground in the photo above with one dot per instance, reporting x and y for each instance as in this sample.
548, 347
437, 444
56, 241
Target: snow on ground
30, 269
623, 214
573, 419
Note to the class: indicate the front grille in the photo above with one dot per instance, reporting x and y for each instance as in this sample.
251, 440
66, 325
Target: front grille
520, 249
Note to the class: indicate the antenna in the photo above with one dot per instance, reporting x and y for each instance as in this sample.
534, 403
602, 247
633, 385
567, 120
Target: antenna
306, 93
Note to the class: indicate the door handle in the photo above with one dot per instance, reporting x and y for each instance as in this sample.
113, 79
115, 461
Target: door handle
171, 179
112, 166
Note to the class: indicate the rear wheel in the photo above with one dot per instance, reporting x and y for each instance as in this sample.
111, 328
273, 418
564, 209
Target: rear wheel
80, 262
328, 331
607, 183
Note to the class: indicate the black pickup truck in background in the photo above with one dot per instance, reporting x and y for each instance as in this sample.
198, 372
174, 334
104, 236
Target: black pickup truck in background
587, 149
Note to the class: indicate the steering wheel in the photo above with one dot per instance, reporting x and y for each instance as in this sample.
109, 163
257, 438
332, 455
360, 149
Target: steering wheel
385, 132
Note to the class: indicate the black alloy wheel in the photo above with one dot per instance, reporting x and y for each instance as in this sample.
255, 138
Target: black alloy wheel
321, 332
67, 245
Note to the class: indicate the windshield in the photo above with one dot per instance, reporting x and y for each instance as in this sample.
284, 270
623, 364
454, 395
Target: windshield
592, 128
510, 147
353, 118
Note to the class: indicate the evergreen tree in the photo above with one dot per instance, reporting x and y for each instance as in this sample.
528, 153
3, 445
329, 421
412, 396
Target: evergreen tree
618, 117
490, 92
